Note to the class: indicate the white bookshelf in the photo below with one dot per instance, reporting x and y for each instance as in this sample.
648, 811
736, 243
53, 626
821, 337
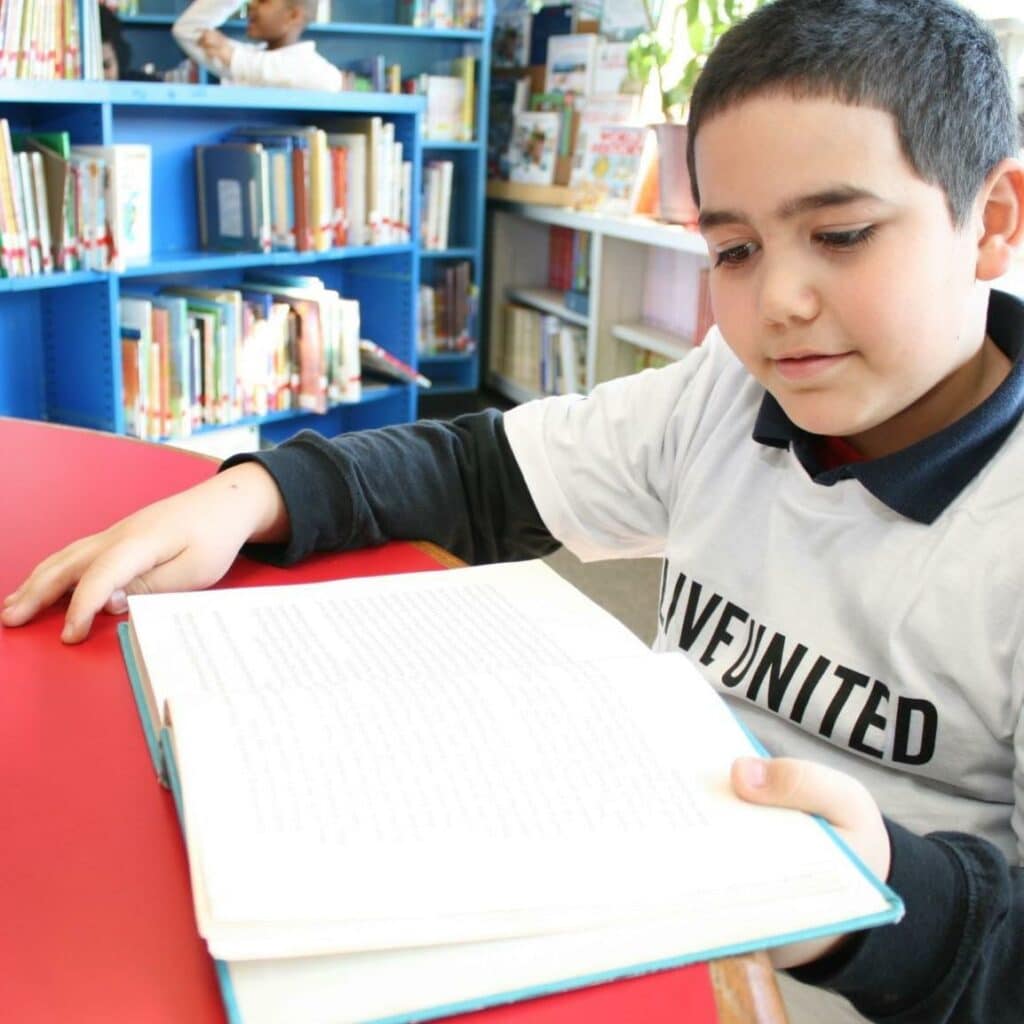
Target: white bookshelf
620, 254
547, 300
654, 339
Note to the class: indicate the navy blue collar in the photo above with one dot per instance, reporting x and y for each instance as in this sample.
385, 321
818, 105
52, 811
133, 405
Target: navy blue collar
922, 480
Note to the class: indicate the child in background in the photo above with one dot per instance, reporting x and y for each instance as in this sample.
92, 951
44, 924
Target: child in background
283, 61
117, 54
834, 480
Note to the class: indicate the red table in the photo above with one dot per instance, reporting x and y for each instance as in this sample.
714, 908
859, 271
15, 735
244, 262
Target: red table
95, 911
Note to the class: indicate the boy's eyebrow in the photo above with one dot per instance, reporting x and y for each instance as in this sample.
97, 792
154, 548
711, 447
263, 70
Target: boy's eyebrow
837, 196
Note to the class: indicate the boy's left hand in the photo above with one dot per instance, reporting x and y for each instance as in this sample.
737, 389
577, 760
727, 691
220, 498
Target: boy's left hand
216, 46
840, 799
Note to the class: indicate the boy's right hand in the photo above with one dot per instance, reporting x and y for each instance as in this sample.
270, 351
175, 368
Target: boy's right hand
184, 542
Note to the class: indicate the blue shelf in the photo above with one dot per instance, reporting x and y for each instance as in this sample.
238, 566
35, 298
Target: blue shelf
449, 144
447, 357
213, 97
344, 28
374, 394
199, 262
40, 282
459, 253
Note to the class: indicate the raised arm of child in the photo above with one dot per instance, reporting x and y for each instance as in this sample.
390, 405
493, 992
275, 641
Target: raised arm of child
196, 32
276, 55
955, 956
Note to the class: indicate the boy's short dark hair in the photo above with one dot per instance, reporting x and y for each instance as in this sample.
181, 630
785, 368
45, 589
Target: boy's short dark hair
110, 32
930, 63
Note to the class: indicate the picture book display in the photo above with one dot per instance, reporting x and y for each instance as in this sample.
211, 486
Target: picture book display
406, 796
570, 64
533, 151
613, 164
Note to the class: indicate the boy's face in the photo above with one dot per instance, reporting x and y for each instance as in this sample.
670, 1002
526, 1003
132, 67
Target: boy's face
271, 19
837, 275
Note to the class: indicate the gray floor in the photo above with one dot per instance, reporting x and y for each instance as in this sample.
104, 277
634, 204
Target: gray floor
627, 588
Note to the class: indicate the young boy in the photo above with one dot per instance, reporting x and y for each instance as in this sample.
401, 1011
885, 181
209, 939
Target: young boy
284, 62
833, 479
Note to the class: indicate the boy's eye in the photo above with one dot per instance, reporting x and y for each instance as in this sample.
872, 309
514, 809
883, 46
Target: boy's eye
845, 239
735, 255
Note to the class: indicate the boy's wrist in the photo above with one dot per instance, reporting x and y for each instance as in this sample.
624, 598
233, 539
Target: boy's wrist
872, 963
261, 504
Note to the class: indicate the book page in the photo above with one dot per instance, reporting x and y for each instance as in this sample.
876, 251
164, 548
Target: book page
507, 616
384, 813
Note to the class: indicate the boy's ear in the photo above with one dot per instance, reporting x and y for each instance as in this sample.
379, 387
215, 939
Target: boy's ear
1002, 219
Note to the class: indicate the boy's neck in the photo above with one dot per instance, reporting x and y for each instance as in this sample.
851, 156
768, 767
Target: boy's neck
289, 38
953, 397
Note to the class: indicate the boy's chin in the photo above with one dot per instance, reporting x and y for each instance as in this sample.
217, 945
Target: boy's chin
825, 422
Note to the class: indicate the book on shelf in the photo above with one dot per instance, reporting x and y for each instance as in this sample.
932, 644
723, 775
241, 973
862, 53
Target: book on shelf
593, 113
447, 310
569, 67
624, 19
614, 163
548, 22
524, 798
508, 97
464, 68
568, 259
444, 115
43, 39
435, 210
57, 192
214, 356
378, 362
328, 342
510, 43
89, 175
353, 144
232, 199
611, 68
533, 151
129, 178
539, 352
440, 13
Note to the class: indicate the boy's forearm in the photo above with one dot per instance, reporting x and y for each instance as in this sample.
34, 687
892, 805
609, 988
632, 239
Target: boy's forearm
199, 16
957, 953
456, 484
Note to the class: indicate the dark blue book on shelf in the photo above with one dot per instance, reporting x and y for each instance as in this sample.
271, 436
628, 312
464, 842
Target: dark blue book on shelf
547, 22
232, 194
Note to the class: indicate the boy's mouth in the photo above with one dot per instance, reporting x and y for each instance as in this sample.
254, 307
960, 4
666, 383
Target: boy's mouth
804, 365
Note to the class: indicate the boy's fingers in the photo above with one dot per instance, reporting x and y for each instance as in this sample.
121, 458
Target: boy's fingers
181, 571
49, 581
122, 568
787, 782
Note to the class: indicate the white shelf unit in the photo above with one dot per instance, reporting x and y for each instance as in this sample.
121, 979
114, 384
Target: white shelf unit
620, 255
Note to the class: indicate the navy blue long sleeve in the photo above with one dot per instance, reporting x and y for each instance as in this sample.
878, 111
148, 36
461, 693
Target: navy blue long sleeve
455, 483
958, 954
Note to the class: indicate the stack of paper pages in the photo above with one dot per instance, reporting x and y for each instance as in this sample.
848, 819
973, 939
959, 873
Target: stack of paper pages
410, 795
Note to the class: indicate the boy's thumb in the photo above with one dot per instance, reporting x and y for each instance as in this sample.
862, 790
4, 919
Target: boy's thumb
788, 782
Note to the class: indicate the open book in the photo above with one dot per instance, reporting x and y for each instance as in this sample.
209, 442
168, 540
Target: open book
418, 794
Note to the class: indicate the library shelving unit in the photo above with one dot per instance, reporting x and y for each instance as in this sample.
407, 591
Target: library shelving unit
360, 29
621, 251
60, 356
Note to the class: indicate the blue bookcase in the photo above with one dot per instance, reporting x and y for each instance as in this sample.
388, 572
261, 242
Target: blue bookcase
59, 342
360, 29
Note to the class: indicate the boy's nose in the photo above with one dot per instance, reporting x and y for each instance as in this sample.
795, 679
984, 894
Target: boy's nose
786, 294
